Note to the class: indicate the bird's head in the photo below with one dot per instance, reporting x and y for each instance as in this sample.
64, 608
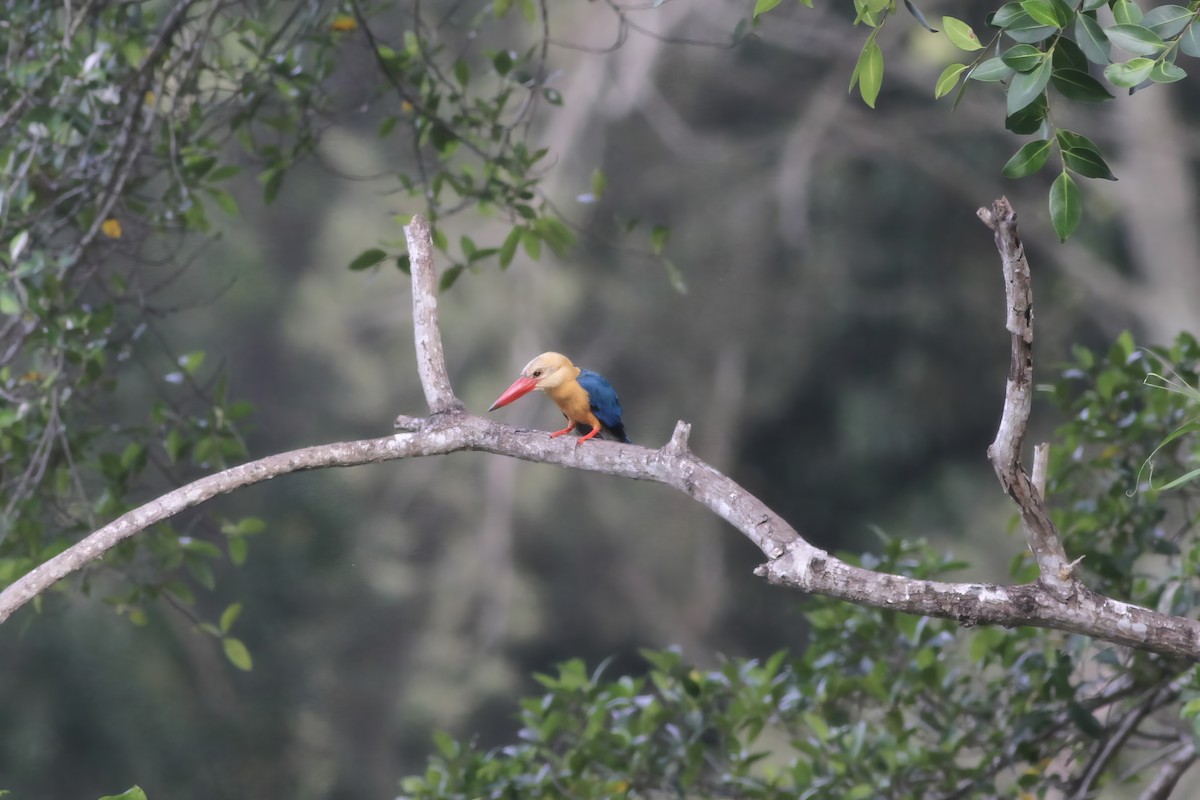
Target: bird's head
545, 372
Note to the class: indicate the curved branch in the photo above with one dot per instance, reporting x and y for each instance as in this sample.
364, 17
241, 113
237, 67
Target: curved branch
1116, 740
1180, 762
794, 562
1005, 451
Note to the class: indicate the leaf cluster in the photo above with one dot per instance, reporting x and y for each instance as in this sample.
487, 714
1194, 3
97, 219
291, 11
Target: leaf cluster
1037, 45
1141, 543
880, 705
1044, 44
118, 137
463, 117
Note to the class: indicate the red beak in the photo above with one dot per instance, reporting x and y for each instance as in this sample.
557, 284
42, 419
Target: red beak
520, 388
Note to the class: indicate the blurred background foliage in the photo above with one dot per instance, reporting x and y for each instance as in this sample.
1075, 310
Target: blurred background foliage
714, 224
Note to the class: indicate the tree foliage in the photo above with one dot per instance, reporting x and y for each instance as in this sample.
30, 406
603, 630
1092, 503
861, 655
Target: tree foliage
1034, 46
116, 152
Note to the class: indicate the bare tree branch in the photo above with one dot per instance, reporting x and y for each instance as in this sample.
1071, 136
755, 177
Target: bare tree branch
1179, 762
431, 361
794, 562
1119, 735
1005, 451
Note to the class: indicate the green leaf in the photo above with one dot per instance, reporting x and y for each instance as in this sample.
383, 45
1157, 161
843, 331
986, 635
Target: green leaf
532, 243
133, 457
174, 445
202, 572
224, 172
675, 276
271, 180
868, 72
190, 362
197, 166
763, 6
1064, 11
17, 246
509, 249
1025, 29
1027, 87
10, 306
132, 793
1065, 207
1029, 119
1024, 57
1135, 39
1187, 477
1167, 21
1166, 72
449, 276
1028, 160
1088, 163
872, 12
224, 200
502, 62
229, 616
1006, 15
446, 745
367, 259
1132, 73
1047, 12
462, 72
1067, 55
1091, 40
992, 70
960, 34
658, 238
948, 80
1080, 86
237, 653
1126, 13
555, 233
238, 549
1084, 720
1189, 41
1075, 141
181, 592
912, 9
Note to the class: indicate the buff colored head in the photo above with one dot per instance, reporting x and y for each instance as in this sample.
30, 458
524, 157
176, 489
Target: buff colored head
547, 371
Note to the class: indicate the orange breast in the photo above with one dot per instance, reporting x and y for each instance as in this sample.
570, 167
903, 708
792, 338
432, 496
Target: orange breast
573, 401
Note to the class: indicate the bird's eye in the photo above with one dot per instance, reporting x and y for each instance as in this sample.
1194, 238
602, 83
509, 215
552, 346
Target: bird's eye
537, 373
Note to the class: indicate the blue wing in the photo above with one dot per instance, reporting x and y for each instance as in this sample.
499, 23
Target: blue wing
604, 402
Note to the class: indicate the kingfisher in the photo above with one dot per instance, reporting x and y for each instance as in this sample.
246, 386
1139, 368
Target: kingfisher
585, 398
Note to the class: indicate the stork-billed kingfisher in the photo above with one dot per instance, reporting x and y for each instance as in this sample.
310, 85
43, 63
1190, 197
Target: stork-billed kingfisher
585, 398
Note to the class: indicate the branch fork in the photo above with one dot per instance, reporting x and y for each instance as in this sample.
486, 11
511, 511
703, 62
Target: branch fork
1057, 600
1005, 452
